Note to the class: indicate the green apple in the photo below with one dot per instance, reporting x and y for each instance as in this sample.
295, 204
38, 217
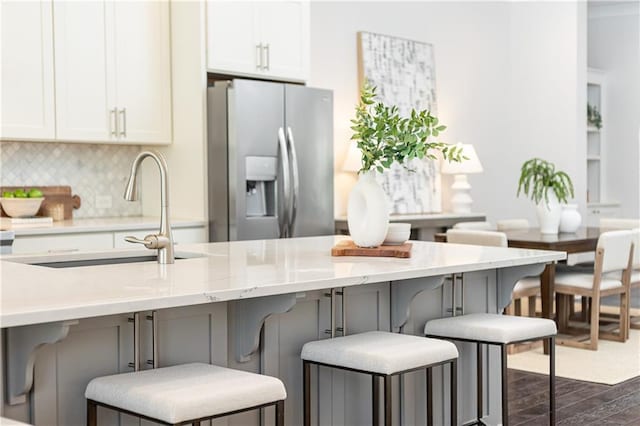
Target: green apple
7, 194
34, 193
19, 193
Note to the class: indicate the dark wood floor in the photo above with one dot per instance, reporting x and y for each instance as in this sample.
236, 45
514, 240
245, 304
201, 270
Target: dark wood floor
578, 403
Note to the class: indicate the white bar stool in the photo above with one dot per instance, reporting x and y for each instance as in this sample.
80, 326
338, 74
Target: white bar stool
498, 330
8, 422
185, 394
381, 354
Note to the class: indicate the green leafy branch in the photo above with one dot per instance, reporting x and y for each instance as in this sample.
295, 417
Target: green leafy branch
538, 176
384, 137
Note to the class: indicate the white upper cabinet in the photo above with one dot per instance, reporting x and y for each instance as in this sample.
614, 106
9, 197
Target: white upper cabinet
231, 42
284, 32
26, 73
259, 39
85, 96
143, 70
113, 71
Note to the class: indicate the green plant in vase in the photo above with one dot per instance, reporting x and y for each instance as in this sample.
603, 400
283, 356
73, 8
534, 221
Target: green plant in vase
383, 138
547, 187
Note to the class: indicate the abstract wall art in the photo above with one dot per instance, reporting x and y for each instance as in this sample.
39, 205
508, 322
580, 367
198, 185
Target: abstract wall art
404, 73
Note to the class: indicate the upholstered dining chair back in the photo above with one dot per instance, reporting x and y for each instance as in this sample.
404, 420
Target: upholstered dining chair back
616, 246
618, 223
477, 237
512, 224
485, 226
635, 238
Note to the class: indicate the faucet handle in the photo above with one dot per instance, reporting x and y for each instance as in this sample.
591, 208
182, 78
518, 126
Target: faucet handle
147, 242
150, 241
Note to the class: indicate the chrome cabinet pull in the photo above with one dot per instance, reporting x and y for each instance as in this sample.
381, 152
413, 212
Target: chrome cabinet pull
113, 122
259, 56
136, 341
268, 54
123, 114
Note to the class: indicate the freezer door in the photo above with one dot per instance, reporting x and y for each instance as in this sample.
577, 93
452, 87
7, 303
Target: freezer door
256, 117
309, 123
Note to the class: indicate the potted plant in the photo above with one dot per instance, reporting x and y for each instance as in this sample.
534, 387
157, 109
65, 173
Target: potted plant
384, 137
547, 187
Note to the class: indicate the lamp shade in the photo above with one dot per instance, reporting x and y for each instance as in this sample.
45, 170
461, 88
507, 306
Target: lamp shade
353, 162
470, 165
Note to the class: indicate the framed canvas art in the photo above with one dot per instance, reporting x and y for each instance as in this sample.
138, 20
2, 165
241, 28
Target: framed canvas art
404, 73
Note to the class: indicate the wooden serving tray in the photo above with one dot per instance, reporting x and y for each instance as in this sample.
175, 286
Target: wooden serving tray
348, 248
53, 195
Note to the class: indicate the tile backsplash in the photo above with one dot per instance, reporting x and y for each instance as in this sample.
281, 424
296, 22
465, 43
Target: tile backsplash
90, 170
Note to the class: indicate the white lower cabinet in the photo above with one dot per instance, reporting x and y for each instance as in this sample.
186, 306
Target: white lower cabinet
62, 243
91, 241
597, 211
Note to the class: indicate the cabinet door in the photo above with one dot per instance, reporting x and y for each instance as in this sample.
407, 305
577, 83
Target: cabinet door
84, 67
62, 243
26, 39
95, 347
284, 29
142, 70
232, 44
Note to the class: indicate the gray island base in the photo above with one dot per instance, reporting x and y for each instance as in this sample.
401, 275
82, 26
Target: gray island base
246, 305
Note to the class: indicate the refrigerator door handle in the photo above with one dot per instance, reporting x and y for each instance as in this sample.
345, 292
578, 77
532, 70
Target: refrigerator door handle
286, 184
296, 182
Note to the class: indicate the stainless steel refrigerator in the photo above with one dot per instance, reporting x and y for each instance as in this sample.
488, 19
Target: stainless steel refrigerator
270, 160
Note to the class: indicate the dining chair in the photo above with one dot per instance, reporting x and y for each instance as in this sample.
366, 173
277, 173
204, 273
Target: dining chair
611, 276
528, 287
512, 224
613, 223
485, 226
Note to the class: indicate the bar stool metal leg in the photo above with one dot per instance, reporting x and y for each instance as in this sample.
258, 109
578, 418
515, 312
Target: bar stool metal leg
429, 396
280, 413
306, 379
92, 413
505, 386
387, 400
375, 398
479, 384
552, 380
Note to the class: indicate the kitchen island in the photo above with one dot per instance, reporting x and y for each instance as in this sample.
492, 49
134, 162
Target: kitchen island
248, 305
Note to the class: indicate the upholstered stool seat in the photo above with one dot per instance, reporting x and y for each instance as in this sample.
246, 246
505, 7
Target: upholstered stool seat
499, 330
527, 283
184, 393
381, 355
492, 328
8, 422
379, 352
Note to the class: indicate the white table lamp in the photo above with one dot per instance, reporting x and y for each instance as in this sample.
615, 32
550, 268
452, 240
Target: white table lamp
460, 189
353, 161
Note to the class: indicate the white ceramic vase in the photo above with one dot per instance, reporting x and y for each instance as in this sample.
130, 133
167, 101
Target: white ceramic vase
368, 211
570, 218
549, 214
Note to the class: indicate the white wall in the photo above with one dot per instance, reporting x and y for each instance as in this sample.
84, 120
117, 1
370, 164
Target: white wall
614, 47
507, 79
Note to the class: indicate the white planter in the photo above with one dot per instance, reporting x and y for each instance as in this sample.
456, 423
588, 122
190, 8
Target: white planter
549, 214
368, 212
570, 218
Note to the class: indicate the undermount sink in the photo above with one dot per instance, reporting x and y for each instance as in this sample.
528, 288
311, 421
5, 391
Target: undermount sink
119, 258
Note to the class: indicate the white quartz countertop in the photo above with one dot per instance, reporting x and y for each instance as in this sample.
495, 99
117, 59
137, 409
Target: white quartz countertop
33, 294
105, 224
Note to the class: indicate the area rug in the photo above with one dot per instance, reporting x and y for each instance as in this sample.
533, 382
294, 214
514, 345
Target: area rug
612, 363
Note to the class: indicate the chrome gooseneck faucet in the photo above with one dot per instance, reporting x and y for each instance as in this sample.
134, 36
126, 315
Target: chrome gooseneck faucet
163, 241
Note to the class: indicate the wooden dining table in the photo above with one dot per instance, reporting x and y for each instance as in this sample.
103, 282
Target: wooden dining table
584, 240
